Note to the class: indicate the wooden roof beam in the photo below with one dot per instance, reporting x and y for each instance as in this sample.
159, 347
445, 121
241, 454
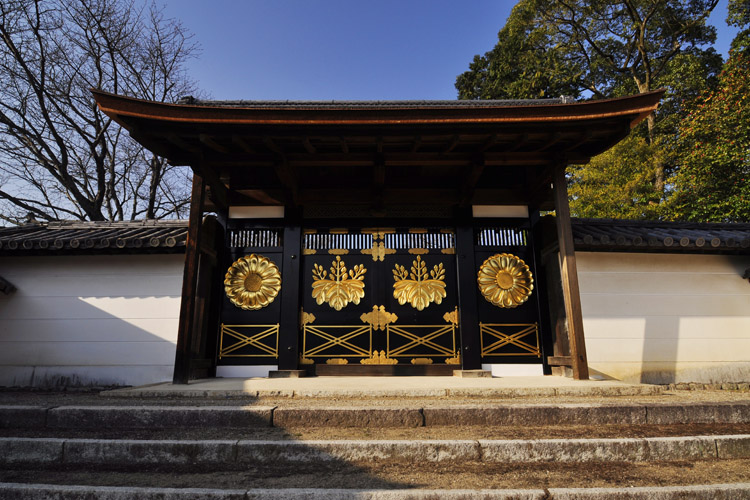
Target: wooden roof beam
308, 146
182, 144
554, 139
242, 143
270, 144
491, 141
344, 145
211, 143
519, 143
470, 183
289, 178
219, 192
452, 145
585, 136
417, 143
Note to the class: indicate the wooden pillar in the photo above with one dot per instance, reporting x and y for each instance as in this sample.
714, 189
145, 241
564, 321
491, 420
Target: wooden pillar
569, 274
189, 282
468, 319
290, 286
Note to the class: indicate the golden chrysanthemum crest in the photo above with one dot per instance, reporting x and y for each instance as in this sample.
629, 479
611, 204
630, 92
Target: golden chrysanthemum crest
252, 282
505, 280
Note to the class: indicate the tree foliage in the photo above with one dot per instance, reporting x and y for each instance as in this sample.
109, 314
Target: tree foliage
607, 48
713, 179
618, 183
521, 66
60, 157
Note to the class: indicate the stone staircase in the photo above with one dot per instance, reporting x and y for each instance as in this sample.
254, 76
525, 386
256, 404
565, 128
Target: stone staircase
375, 448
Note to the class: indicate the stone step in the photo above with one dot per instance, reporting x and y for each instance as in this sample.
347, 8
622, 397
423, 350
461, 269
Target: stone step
15, 491
217, 453
162, 417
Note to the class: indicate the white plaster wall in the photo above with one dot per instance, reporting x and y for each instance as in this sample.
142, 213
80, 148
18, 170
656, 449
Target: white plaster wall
89, 320
664, 318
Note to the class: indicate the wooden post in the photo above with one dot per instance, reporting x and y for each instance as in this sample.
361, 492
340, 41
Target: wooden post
468, 319
189, 282
569, 274
290, 303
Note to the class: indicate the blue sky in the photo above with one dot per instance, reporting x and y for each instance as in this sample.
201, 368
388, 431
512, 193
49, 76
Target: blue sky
345, 49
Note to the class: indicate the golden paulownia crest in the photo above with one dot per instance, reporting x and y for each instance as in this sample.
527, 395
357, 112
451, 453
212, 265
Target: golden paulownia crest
252, 282
379, 358
340, 287
505, 280
378, 318
421, 288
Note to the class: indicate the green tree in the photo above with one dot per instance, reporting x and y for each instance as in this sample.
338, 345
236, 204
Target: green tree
739, 16
606, 48
713, 179
521, 66
618, 183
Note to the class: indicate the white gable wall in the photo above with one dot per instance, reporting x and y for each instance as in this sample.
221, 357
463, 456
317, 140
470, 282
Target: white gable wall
89, 320
666, 318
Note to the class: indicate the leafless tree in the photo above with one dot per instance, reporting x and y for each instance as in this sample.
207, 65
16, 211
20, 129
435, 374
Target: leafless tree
60, 157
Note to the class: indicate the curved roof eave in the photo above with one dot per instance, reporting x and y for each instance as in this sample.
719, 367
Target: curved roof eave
636, 108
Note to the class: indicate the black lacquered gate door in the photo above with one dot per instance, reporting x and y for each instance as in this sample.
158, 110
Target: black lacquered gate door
251, 307
507, 298
379, 296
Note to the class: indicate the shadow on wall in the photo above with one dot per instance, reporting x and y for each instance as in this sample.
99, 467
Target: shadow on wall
84, 345
89, 321
661, 337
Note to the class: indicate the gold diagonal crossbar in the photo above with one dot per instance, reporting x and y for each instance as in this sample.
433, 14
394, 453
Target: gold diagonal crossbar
492, 331
418, 340
237, 340
332, 339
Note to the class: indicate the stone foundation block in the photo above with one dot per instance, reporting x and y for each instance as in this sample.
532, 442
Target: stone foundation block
681, 448
101, 451
698, 413
22, 416
29, 450
564, 450
357, 451
150, 417
733, 446
347, 417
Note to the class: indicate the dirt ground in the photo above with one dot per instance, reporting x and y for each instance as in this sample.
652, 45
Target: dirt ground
467, 475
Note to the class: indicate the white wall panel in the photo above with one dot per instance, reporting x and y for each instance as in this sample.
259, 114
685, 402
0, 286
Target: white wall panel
666, 318
89, 320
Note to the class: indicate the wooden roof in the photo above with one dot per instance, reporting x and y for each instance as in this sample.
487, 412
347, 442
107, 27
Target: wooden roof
378, 153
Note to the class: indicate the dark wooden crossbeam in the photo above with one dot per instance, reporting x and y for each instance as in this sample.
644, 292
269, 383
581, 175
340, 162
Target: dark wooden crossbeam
211, 143
308, 146
242, 144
